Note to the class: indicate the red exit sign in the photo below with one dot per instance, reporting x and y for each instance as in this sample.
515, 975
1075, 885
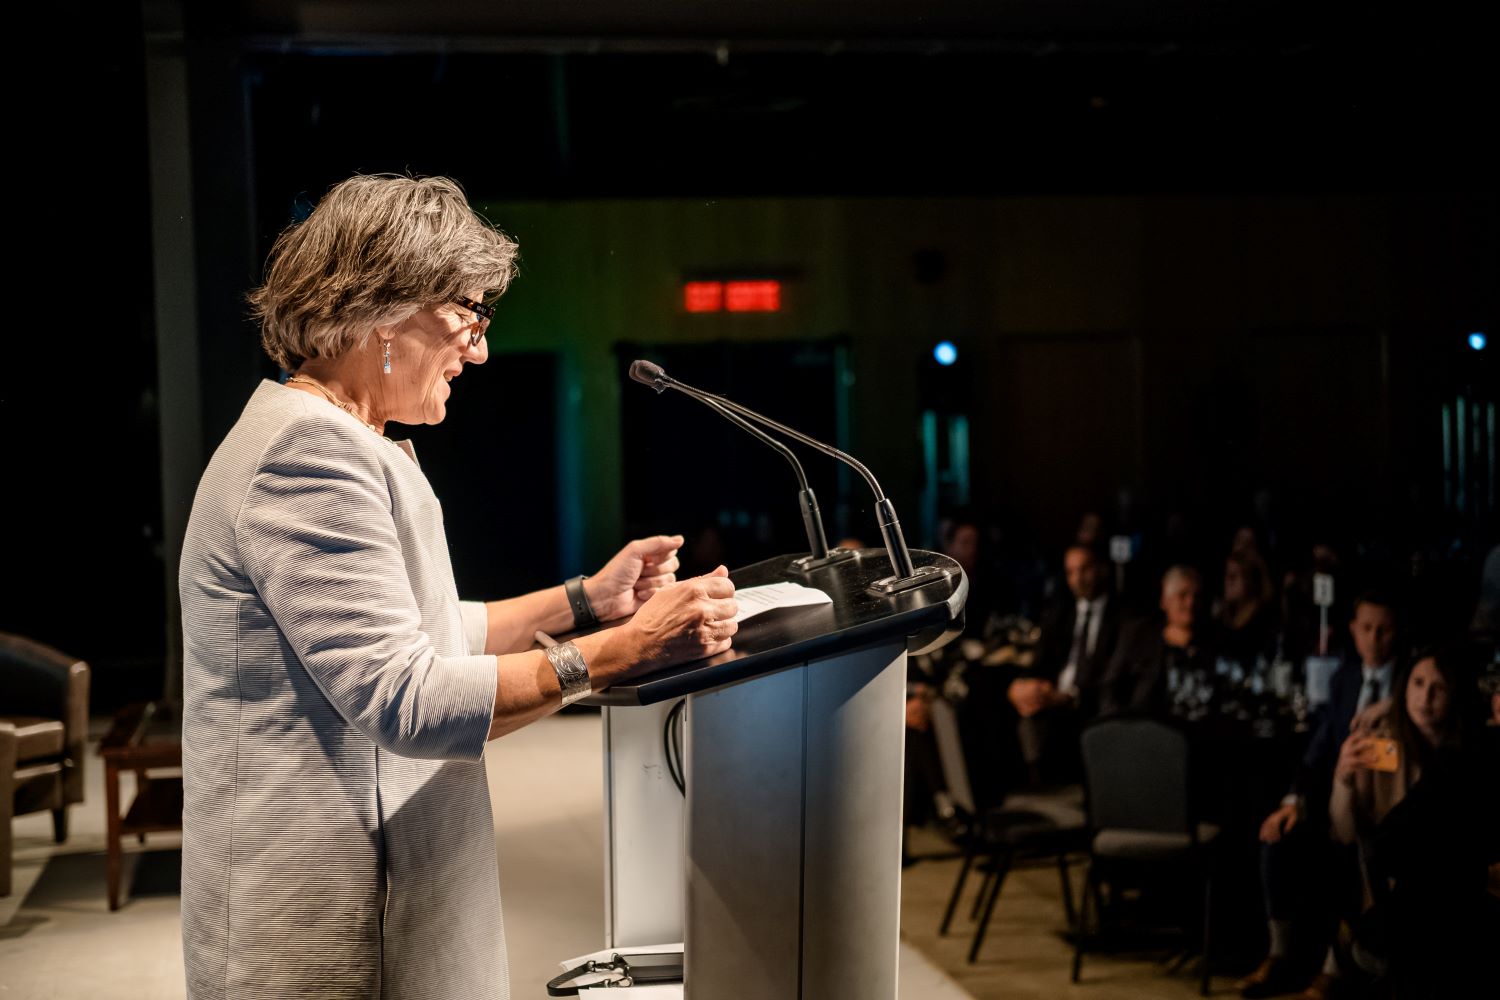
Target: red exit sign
759, 295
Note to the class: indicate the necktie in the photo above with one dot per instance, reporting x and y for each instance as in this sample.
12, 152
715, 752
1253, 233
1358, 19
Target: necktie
1081, 640
1371, 693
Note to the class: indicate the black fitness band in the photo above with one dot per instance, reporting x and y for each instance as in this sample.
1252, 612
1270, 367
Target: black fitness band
583, 614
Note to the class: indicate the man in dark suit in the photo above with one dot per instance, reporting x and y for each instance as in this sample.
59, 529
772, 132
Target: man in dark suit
1061, 691
1296, 857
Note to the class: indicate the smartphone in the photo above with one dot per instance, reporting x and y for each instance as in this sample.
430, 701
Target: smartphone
1381, 754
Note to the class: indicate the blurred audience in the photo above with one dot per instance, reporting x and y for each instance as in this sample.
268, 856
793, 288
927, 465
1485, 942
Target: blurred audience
1245, 541
1301, 620
964, 540
1379, 870
1245, 621
1300, 872
1079, 631
1090, 533
1164, 664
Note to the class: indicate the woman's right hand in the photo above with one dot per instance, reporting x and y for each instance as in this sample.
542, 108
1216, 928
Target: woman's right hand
685, 621
1351, 758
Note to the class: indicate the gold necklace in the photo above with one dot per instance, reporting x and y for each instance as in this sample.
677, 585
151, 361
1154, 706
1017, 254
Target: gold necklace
346, 407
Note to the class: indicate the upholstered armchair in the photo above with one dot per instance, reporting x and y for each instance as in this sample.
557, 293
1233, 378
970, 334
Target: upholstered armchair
44, 714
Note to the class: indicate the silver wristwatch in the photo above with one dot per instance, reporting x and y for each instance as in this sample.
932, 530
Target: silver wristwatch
572, 672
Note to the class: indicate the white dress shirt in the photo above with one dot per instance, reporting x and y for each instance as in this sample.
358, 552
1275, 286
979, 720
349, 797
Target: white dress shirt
1067, 681
1382, 675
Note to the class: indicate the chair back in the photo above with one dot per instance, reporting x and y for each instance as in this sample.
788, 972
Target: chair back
951, 754
1136, 775
34, 679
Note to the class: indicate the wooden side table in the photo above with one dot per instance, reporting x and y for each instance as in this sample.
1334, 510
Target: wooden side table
157, 807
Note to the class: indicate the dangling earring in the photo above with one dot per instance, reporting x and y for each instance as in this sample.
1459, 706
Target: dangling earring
386, 361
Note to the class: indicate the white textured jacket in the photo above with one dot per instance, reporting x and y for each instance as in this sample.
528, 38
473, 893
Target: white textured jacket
337, 836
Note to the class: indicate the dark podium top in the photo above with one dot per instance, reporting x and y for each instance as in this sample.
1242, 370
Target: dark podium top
928, 617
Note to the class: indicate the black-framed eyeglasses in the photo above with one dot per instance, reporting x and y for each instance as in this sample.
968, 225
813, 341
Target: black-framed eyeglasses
482, 316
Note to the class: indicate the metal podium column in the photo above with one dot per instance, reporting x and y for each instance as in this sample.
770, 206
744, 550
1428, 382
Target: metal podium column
793, 831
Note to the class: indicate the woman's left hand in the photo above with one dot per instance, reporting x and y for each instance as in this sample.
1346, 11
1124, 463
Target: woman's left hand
637, 571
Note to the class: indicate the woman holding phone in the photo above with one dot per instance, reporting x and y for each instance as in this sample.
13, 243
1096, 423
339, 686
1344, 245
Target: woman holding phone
1391, 742
1414, 788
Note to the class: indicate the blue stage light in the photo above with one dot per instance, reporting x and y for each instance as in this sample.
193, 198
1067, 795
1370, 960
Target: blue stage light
1477, 341
945, 353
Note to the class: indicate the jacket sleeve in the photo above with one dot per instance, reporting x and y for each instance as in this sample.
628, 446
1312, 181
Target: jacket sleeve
1057, 641
319, 543
1116, 688
476, 625
1315, 774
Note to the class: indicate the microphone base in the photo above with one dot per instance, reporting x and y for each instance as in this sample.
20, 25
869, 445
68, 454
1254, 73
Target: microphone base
808, 562
920, 577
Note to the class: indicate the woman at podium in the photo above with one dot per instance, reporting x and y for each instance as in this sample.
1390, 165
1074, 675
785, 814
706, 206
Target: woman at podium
338, 695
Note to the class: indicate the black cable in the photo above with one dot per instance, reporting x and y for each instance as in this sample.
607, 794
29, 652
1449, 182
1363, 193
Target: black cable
680, 712
672, 749
666, 749
677, 743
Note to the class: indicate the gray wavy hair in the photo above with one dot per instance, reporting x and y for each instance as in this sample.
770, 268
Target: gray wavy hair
375, 250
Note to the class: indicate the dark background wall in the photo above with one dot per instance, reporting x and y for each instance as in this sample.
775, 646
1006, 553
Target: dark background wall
1192, 349
1189, 254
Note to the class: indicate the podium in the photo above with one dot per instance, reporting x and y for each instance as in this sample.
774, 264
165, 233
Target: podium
779, 867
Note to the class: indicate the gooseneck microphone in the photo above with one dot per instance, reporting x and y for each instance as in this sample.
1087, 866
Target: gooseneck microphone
817, 540
906, 576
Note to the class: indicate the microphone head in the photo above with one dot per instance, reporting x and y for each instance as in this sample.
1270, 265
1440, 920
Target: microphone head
648, 374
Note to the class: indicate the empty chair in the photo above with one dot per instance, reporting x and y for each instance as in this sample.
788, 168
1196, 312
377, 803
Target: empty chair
1137, 774
1034, 824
